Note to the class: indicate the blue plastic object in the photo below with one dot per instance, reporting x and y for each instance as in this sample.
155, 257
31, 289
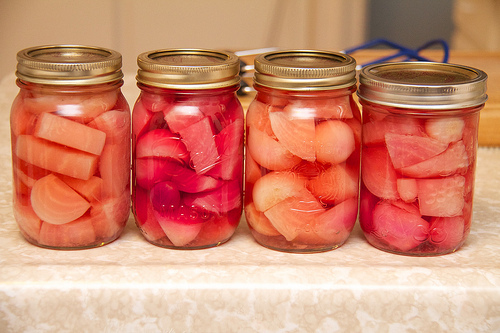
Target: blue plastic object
402, 51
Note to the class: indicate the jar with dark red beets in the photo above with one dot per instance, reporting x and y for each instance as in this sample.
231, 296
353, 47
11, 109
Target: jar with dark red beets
187, 145
70, 130
302, 151
420, 127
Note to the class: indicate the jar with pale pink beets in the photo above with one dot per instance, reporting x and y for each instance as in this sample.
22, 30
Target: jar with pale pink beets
302, 151
420, 128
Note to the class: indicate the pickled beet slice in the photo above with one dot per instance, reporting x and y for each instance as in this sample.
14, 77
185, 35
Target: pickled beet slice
164, 197
221, 200
144, 120
447, 232
149, 171
399, 228
230, 147
161, 143
182, 115
441, 197
144, 215
452, 160
406, 150
378, 174
200, 142
374, 131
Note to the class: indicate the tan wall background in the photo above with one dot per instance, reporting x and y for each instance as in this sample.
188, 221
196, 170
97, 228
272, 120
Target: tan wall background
132, 27
135, 26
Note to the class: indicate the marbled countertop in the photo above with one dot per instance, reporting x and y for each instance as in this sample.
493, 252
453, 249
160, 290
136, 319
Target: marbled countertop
240, 286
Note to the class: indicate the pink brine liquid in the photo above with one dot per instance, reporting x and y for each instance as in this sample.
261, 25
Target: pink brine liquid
417, 179
302, 166
71, 164
187, 166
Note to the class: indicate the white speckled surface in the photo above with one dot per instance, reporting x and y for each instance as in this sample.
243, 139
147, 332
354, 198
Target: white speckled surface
131, 285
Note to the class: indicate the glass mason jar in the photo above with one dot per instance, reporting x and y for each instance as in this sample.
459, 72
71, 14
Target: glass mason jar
187, 148
70, 131
302, 151
420, 127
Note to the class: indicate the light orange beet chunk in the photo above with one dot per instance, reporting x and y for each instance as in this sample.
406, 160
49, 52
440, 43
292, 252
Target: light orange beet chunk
56, 158
29, 223
268, 152
334, 185
259, 222
295, 216
70, 133
295, 134
55, 202
89, 189
334, 141
79, 233
114, 168
275, 187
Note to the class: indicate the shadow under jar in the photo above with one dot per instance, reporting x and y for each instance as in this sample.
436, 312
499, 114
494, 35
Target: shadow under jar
302, 151
187, 147
420, 127
70, 130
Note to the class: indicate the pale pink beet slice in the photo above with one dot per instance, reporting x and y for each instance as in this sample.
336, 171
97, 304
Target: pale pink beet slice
90, 189
268, 152
79, 233
219, 201
149, 171
259, 222
336, 223
116, 125
54, 157
55, 202
378, 174
326, 108
276, 186
374, 131
407, 189
452, 160
296, 134
180, 234
441, 197
446, 130
161, 143
334, 141
156, 102
182, 115
110, 216
406, 150
200, 142
229, 143
258, 117
399, 228
144, 215
367, 204
114, 168
29, 223
81, 107
447, 232
141, 118
334, 185
295, 217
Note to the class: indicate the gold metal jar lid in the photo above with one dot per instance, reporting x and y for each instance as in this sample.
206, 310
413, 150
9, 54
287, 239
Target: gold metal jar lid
423, 85
68, 65
305, 70
188, 69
